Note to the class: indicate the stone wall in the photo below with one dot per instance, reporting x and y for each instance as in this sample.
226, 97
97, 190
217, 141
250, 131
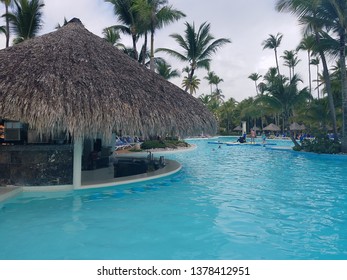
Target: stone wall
36, 165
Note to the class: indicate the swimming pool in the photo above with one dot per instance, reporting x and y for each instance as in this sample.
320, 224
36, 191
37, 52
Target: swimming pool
231, 203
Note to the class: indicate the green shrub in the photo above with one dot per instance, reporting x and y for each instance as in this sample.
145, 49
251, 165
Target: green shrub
297, 148
153, 144
321, 145
162, 144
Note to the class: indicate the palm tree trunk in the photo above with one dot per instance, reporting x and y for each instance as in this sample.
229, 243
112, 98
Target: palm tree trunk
344, 91
278, 68
151, 63
328, 87
296, 144
309, 71
318, 81
136, 55
190, 77
329, 92
7, 28
144, 50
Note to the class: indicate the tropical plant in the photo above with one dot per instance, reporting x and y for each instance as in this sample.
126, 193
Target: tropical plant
290, 60
209, 78
284, 94
310, 15
317, 114
26, 19
255, 77
165, 70
247, 111
307, 44
131, 22
226, 115
273, 42
321, 144
112, 36
315, 61
215, 80
250, 112
335, 13
3, 29
205, 98
191, 84
6, 29
198, 47
155, 14
217, 94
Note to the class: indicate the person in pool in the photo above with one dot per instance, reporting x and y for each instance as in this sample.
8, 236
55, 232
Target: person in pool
263, 137
253, 135
241, 139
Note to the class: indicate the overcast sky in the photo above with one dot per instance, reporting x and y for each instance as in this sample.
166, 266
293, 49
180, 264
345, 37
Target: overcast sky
247, 23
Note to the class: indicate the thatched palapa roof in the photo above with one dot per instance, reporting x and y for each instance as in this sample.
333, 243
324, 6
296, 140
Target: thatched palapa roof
73, 80
272, 127
295, 126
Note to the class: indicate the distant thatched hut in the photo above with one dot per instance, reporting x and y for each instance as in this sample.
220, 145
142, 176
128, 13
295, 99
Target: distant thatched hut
74, 82
271, 127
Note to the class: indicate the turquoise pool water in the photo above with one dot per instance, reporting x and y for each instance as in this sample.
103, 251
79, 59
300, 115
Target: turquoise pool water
236, 202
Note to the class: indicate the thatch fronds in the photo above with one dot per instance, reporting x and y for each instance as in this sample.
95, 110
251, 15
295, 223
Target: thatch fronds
73, 80
271, 127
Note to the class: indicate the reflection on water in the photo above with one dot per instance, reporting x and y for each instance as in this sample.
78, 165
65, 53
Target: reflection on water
231, 203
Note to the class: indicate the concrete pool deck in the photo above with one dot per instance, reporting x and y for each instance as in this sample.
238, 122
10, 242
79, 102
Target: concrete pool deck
103, 177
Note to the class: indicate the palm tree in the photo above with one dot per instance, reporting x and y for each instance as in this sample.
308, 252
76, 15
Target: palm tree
191, 84
271, 81
271, 77
307, 44
226, 114
273, 42
211, 103
216, 81
315, 61
291, 60
285, 95
213, 79
26, 19
262, 87
131, 23
335, 13
198, 47
112, 36
165, 70
156, 14
6, 30
317, 113
255, 77
3, 29
210, 77
308, 13
217, 94
205, 98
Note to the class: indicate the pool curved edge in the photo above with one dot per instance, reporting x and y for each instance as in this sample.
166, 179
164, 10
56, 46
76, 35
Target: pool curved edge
9, 192
170, 168
322, 155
